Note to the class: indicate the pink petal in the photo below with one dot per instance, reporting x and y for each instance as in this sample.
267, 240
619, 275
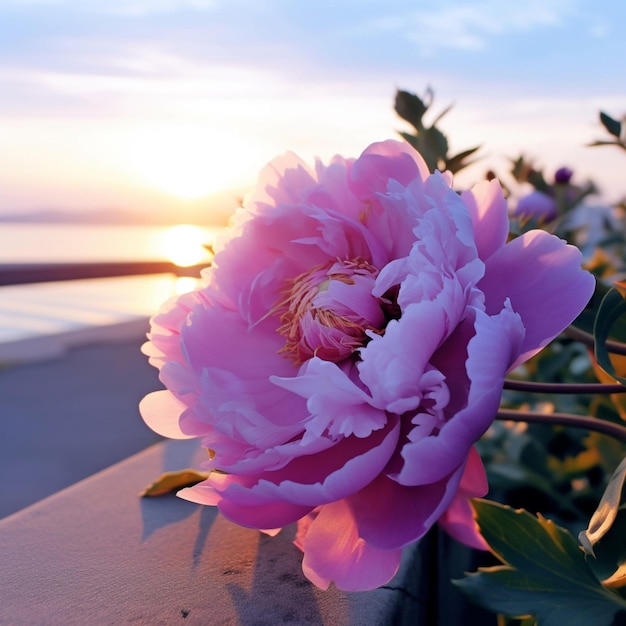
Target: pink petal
458, 520
389, 515
430, 459
304, 524
392, 364
251, 411
281, 181
334, 402
382, 162
541, 276
164, 336
330, 475
275, 515
160, 410
333, 551
488, 210
251, 354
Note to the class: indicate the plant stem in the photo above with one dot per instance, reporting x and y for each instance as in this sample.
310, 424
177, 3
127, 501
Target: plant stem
565, 419
583, 388
614, 347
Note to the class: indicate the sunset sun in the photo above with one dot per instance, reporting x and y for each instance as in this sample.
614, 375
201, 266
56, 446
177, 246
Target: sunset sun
186, 245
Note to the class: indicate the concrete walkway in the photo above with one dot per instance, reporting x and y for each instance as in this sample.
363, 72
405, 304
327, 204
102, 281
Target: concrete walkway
98, 554
70, 416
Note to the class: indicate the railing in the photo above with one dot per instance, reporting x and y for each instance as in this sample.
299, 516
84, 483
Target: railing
26, 273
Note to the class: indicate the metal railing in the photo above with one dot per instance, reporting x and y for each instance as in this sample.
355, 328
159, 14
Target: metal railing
27, 273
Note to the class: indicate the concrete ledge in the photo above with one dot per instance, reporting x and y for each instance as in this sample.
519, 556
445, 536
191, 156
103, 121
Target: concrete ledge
96, 553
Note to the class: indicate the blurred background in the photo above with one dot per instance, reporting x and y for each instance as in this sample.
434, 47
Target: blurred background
131, 129
163, 111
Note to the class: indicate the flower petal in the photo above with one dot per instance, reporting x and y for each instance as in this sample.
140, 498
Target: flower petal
382, 162
330, 475
333, 551
488, 210
393, 364
389, 515
458, 520
429, 459
161, 410
262, 516
335, 403
541, 276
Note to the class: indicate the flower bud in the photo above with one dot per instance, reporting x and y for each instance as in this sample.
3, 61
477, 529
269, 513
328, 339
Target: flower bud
563, 176
536, 206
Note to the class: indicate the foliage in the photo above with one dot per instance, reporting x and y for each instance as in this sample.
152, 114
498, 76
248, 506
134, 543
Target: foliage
615, 128
611, 310
429, 141
544, 572
554, 470
604, 538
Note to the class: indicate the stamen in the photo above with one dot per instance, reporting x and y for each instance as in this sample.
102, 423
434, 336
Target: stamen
312, 330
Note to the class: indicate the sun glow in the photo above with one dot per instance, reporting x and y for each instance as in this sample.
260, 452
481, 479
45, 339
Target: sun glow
190, 162
186, 245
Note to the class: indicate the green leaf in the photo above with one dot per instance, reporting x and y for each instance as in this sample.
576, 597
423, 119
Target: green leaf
587, 318
613, 126
457, 162
611, 309
173, 481
605, 537
519, 169
544, 573
604, 516
411, 108
434, 142
609, 563
537, 180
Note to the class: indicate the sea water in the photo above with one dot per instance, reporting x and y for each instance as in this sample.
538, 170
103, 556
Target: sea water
28, 312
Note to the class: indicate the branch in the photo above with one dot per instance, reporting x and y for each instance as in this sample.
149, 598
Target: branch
565, 419
614, 347
586, 388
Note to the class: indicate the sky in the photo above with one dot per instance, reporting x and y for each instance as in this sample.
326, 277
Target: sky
169, 108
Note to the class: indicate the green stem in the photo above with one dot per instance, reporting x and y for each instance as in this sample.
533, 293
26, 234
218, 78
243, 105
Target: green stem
582, 388
565, 419
614, 347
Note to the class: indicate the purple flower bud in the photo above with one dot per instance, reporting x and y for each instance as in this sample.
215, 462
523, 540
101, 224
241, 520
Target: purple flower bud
563, 175
536, 205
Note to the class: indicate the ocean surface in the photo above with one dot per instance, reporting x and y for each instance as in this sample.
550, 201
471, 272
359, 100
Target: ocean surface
29, 313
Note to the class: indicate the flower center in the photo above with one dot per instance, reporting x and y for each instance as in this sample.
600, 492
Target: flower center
326, 311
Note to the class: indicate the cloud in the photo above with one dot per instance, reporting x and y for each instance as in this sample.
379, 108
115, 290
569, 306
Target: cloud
117, 7
469, 25
148, 7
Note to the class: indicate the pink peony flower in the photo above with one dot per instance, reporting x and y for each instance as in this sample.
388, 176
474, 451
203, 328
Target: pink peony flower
347, 350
